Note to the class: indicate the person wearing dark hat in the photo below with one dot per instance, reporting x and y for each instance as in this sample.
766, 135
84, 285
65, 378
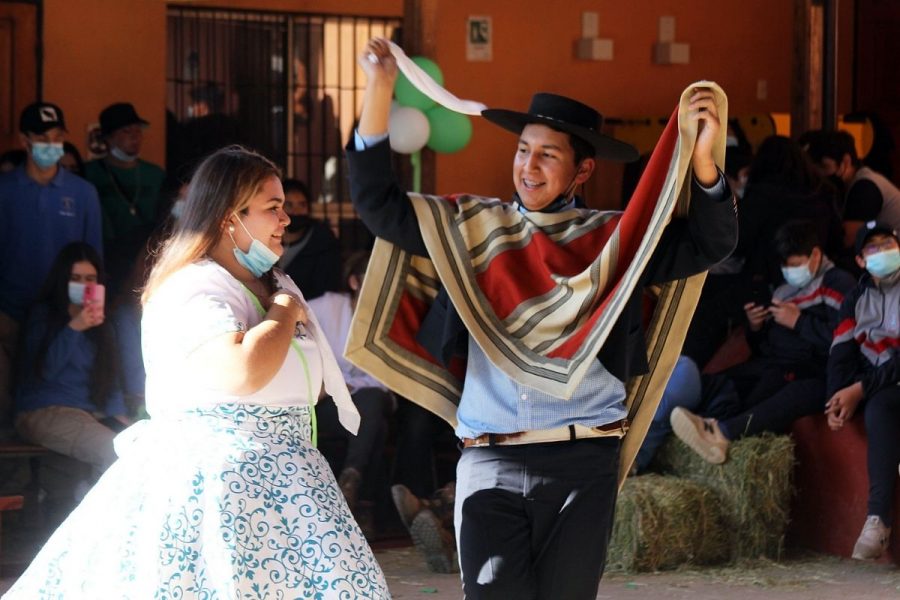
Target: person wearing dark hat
864, 373
208, 126
129, 188
42, 209
538, 476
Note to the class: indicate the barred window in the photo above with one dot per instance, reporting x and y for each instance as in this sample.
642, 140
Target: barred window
285, 84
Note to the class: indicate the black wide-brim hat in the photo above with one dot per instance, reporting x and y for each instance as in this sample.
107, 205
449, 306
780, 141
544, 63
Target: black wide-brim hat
566, 115
118, 115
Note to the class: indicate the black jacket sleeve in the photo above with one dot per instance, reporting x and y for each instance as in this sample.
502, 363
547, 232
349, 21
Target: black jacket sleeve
692, 245
882, 376
844, 358
380, 202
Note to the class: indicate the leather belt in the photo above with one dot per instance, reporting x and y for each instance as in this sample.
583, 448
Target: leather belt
559, 434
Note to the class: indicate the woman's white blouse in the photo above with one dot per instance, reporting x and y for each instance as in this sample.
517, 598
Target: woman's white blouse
203, 301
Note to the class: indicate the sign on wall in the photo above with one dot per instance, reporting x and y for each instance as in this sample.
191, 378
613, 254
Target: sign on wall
479, 39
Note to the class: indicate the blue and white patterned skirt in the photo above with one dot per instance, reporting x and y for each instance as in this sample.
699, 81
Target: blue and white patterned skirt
226, 503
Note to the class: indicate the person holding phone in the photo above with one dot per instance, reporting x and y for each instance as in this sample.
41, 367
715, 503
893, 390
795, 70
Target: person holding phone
70, 396
789, 335
222, 492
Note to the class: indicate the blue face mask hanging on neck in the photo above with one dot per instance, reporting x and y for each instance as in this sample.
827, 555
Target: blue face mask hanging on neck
258, 259
119, 154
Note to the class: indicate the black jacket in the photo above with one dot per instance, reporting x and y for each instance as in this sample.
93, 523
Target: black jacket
316, 269
688, 246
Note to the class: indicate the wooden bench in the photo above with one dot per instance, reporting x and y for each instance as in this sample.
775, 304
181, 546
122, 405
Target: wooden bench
8, 503
14, 449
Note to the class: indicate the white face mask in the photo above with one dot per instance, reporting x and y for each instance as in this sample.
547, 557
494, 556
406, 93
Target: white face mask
118, 154
798, 276
76, 292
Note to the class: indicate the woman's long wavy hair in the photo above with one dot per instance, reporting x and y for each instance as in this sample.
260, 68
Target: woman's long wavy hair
106, 372
224, 183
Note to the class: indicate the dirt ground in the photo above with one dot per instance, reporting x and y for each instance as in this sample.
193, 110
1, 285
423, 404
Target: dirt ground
809, 578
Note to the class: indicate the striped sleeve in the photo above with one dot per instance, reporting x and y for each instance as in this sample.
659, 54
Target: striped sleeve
843, 359
817, 326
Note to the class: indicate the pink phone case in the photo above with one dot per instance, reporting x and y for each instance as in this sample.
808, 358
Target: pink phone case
96, 293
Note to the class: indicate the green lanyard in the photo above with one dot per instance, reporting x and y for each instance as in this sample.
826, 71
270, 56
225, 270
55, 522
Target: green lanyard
300, 353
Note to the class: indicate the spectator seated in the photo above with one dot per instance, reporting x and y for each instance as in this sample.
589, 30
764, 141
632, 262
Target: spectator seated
831, 486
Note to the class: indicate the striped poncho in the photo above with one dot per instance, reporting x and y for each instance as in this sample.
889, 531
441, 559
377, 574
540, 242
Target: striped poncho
538, 292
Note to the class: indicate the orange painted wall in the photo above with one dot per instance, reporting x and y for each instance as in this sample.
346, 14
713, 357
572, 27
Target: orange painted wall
101, 51
97, 52
370, 8
736, 44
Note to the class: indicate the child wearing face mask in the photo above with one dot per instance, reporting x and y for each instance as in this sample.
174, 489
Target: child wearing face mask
864, 374
70, 398
789, 337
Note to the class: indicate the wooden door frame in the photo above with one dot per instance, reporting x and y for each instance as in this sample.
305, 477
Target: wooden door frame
814, 81
20, 98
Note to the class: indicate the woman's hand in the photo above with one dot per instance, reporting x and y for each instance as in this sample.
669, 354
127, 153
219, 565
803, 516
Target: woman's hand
290, 302
90, 315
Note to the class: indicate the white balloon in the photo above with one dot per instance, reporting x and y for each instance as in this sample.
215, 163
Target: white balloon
408, 130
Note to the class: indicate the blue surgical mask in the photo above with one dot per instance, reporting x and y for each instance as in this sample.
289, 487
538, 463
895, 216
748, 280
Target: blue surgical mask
76, 292
258, 259
123, 156
798, 276
46, 154
177, 209
881, 264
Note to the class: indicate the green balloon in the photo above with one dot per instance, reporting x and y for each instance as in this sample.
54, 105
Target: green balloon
408, 95
450, 131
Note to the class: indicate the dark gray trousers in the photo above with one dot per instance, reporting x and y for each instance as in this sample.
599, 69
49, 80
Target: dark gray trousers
534, 521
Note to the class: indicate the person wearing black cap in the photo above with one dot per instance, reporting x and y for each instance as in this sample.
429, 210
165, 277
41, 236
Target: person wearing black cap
42, 209
537, 479
864, 372
129, 188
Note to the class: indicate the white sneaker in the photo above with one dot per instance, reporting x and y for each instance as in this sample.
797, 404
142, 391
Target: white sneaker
703, 436
873, 540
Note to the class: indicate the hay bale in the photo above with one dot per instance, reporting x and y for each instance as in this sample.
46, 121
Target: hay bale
754, 484
663, 522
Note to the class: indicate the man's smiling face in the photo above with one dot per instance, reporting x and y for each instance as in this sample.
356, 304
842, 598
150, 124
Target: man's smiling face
544, 166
